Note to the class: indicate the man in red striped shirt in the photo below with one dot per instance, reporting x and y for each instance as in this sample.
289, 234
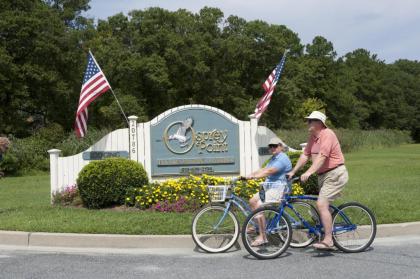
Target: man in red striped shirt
328, 162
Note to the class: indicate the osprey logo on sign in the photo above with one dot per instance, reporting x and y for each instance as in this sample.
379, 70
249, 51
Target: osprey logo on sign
179, 136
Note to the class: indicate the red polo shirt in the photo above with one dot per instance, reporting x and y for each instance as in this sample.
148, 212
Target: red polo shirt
327, 144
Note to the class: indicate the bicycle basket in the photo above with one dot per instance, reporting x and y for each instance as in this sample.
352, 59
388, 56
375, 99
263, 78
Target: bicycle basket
217, 193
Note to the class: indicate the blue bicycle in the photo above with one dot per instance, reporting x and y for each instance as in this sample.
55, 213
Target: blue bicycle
216, 227
354, 226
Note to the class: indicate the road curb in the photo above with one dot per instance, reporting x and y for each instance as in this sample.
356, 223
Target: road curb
94, 240
74, 240
401, 229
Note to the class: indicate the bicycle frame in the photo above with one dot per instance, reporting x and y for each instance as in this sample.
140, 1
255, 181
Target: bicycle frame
234, 200
243, 206
318, 230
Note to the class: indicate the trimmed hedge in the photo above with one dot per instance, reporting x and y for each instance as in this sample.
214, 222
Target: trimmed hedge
105, 183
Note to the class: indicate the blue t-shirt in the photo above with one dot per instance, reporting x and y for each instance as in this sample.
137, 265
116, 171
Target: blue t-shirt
282, 163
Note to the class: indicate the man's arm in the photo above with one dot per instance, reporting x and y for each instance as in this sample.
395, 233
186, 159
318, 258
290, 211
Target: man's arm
316, 165
303, 159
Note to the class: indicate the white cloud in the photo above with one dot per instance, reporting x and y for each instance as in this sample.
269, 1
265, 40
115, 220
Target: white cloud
388, 28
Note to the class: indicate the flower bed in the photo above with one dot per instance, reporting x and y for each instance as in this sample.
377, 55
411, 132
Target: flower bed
188, 193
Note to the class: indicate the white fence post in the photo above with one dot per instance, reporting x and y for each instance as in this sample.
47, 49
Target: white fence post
254, 148
54, 153
133, 138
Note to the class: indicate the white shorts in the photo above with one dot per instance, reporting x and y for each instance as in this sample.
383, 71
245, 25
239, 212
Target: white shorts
272, 195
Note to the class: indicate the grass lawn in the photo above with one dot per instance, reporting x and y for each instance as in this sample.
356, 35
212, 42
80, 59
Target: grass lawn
386, 180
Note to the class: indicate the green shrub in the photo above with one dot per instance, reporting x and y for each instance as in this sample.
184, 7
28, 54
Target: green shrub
26, 154
72, 145
311, 186
105, 183
30, 154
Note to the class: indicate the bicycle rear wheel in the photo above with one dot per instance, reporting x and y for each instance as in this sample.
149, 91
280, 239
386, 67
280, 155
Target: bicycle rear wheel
301, 236
354, 227
213, 230
275, 228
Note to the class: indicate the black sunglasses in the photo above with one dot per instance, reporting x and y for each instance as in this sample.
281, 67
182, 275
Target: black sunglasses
273, 145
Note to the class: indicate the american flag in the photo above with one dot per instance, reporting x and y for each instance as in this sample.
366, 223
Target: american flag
269, 86
94, 85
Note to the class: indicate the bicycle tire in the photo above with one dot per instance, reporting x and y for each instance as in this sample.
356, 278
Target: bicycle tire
354, 227
204, 234
278, 233
301, 237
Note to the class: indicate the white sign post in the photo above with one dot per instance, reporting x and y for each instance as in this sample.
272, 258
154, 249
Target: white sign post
133, 137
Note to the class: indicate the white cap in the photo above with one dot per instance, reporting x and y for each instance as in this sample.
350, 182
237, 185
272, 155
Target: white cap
276, 141
318, 116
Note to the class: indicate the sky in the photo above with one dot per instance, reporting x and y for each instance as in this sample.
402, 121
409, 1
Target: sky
388, 28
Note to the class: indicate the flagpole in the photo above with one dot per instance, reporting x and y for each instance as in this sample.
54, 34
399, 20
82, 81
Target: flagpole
110, 87
126, 119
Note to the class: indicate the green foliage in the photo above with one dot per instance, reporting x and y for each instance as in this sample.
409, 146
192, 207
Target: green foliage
41, 64
71, 145
169, 58
351, 140
105, 183
310, 105
311, 186
29, 154
112, 113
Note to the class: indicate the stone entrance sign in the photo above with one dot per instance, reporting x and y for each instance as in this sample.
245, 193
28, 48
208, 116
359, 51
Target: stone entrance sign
194, 140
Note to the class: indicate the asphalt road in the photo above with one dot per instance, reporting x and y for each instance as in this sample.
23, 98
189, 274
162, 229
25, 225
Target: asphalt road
397, 257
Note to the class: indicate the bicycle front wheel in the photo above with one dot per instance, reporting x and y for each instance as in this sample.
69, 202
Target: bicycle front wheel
266, 234
214, 230
354, 227
302, 237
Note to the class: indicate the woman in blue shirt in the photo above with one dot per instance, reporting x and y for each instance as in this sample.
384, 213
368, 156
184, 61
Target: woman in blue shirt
275, 173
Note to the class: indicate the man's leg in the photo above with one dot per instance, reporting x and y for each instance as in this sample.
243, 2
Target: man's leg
326, 219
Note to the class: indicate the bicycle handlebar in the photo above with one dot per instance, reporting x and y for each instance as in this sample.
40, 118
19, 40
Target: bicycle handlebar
293, 179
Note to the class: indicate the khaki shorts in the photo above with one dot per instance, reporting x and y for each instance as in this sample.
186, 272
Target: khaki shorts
272, 195
332, 183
